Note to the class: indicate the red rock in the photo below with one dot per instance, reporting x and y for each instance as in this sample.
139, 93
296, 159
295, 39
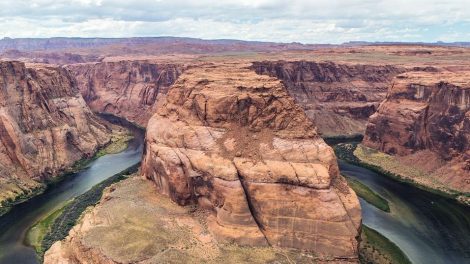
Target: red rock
338, 97
128, 89
427, 112
237, 141
45, 125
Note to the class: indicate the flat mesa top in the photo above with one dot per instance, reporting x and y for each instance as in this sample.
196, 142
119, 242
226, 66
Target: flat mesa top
458, 78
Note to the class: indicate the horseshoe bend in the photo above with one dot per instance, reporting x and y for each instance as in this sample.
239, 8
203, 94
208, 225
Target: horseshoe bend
267, 149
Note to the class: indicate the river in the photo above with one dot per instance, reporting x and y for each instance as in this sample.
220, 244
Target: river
427, 227
15, 224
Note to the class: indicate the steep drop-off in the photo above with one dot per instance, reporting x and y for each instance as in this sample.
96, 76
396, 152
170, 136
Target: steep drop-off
425, 119
128, 89
155, 230
235, 143
339, 98
45, 126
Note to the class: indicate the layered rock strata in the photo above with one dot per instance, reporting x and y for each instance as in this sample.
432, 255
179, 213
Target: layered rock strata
339, 98
128, 89
235, 143
133, 224
426, 119
45, 126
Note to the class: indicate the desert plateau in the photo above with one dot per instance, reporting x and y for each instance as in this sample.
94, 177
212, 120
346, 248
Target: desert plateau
187, 145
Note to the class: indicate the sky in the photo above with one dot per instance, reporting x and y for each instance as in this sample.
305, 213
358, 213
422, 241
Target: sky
305, 21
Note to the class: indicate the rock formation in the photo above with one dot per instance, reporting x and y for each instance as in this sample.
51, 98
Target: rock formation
128, 89
425, 118
339, 98
235, 143
133, 224
45, 126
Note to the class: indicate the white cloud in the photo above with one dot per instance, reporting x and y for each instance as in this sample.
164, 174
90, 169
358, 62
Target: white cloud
296, 20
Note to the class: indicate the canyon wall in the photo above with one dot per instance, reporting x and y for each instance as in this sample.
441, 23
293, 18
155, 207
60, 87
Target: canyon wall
45, 126
235, 143
339, 98
425, 118
128, 89
58, 58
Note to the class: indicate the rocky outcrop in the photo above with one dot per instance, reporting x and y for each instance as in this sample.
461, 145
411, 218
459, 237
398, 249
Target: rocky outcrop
128, 89
427, 114
133, 224
45, 126
339, 98
235, 143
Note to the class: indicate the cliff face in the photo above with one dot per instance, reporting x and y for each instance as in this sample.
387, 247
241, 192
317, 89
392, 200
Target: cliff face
128, 89
45, 126
429, 113
235, 143
339, 98
154, 230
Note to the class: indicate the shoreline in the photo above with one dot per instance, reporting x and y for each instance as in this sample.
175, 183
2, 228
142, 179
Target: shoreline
376, 247
56, 224
345, 153
7, 204
118, 143
60, 221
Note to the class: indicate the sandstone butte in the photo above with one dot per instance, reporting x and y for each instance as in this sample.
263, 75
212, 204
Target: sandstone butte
425, 120
338, 97
45, 126
192, 158
235, 143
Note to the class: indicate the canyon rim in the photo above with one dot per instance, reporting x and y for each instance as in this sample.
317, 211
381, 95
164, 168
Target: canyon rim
234, 132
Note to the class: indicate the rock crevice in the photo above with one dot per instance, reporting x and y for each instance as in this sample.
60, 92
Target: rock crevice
235, 143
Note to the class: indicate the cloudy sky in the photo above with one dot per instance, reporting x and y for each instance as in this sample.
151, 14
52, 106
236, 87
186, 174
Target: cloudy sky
307, 21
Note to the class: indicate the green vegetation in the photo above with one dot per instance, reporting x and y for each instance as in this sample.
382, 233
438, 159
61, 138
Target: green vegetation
36, 233
368, 195
118, 143
57, 225
24, 195
346, 152
375, 248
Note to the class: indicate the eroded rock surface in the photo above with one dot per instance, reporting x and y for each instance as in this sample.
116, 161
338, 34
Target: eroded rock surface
45, 126
134, 224
127, 88
235, 143
339, 98
426, 119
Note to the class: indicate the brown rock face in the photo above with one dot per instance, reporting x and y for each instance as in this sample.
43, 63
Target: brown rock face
45, 126
235, 143
427, 112
128, 89
155, 230
339, 98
